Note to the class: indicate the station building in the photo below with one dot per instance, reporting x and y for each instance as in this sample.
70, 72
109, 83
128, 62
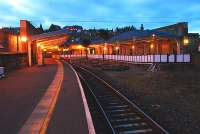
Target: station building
13, 39
33, 43
173, 39
26, 44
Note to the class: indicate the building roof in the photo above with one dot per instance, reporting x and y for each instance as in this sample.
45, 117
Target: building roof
141, 34
97, 41
50, 34
137, 34
70, 42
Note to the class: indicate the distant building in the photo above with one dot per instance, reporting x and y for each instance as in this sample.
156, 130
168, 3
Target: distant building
74, 28
172, 39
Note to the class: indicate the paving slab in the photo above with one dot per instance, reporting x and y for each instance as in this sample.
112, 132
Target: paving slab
69, 116
20, 92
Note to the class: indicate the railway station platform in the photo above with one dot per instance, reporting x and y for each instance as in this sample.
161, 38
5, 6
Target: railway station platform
27, 96
69, 116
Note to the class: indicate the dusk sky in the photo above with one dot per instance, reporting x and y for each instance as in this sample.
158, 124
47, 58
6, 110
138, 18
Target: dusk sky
101, 13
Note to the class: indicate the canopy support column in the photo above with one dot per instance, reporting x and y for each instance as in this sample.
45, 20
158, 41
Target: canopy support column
178, 47
40, 57
29, 54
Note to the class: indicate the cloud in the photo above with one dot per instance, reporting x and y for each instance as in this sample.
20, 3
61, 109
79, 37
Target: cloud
21, 6
112, 13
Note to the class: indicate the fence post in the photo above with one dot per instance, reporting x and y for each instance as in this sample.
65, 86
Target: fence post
160, 58
175, 58
167, 58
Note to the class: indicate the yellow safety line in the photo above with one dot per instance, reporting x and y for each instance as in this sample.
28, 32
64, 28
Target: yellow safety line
52, 106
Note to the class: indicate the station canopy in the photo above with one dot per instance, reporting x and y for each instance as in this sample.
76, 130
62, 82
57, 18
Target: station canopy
51, 39
138, 35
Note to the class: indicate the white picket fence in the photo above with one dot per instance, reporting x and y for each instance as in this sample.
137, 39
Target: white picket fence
181, 58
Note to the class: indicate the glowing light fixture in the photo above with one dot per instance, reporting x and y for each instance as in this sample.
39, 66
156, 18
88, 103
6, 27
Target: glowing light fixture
42, 47
105, 48
38, 44
116, 48
23, 38
186, 41
65, 49
151, 46
133, 47
79, 47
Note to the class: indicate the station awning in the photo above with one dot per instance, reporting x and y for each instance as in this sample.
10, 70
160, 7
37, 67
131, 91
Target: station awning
138, 35
46, 36
55, 38
142, 34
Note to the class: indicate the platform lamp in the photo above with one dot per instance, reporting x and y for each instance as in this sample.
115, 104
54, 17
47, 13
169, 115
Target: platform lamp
186, 41
133, 47
152, 47
117, 51
104, 50
24, 39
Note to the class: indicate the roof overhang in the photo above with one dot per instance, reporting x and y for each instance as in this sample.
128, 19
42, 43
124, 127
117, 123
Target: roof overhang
50, 39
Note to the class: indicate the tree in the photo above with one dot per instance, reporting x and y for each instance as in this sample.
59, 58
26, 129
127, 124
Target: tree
54, 28
104, 34
85, 41
41, 27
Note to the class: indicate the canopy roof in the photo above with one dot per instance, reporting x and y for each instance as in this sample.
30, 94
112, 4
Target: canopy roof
137, 34
55, 38
48, 35
142, 34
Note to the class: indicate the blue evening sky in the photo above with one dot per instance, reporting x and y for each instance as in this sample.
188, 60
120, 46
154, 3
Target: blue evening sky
101, 13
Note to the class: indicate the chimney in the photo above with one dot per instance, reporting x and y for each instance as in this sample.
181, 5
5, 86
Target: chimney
142, 27
24, 34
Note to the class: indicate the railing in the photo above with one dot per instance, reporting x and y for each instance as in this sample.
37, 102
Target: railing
180, 58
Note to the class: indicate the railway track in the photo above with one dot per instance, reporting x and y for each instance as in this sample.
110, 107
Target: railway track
112, 112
